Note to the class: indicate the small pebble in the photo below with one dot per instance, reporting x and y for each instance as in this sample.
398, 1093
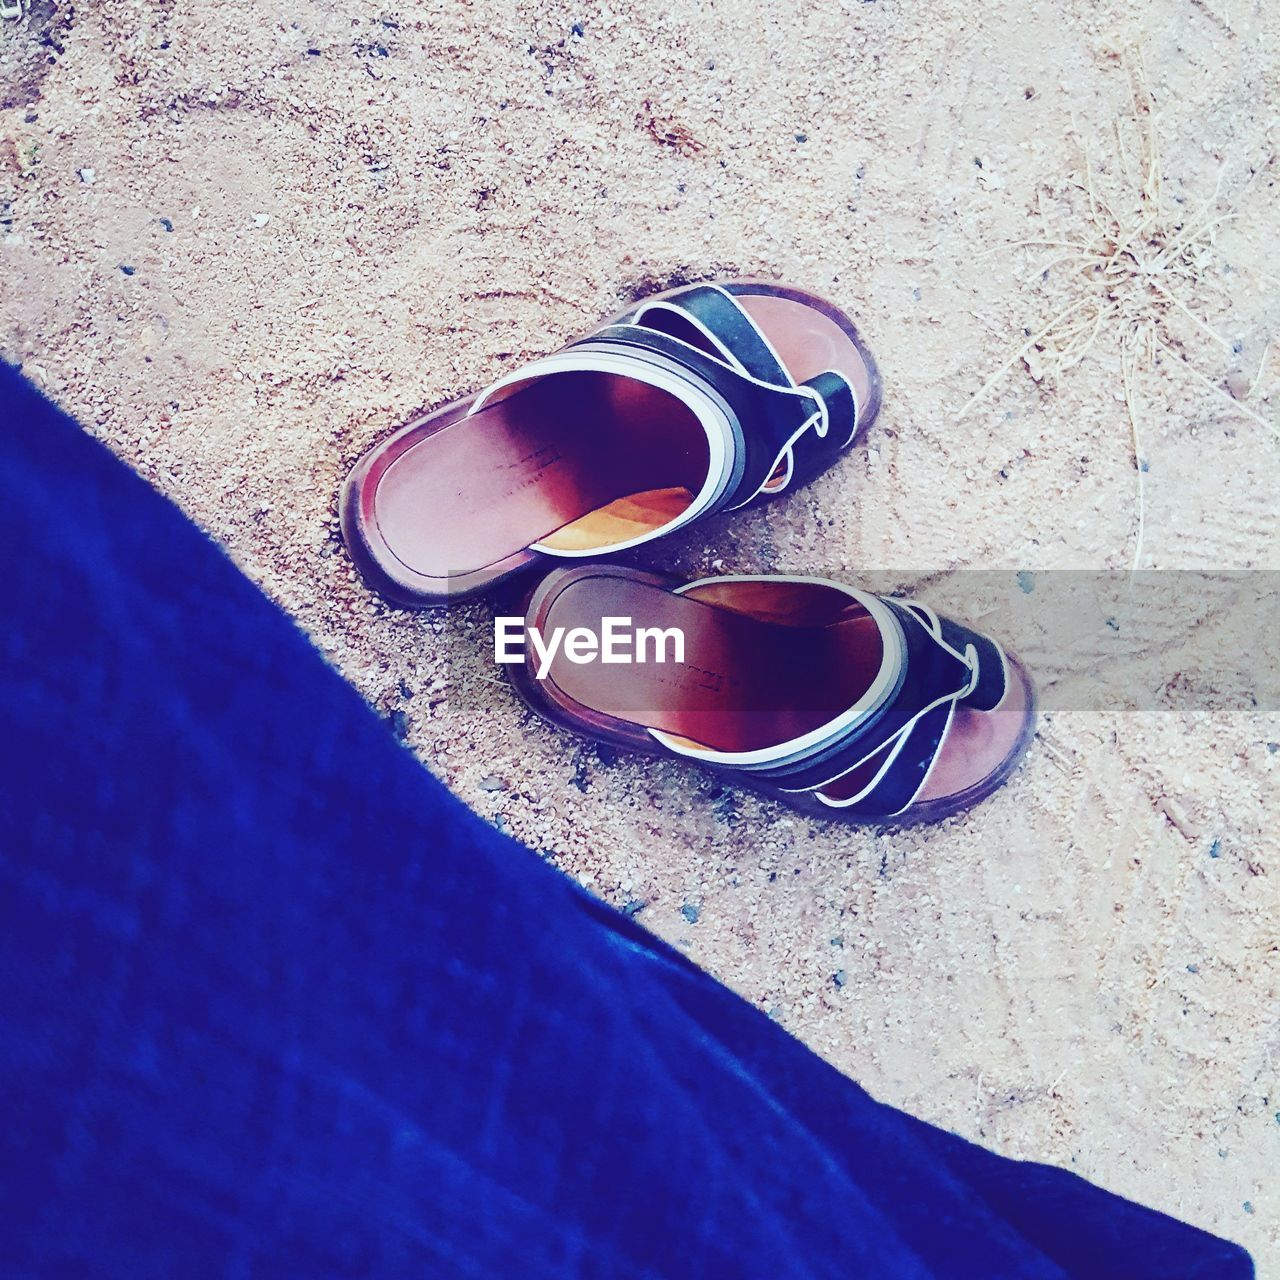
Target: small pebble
837, 978
1238, 384
491, 782
690, 912
87, 176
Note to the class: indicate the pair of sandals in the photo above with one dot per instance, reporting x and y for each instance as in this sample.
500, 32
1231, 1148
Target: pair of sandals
699, 400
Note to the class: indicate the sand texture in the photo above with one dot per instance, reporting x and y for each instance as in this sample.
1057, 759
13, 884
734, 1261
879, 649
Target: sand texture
243, 241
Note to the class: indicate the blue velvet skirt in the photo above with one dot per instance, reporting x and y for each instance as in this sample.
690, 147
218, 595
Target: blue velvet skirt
274, 1004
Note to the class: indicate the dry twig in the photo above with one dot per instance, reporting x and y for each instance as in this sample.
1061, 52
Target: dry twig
1133, 266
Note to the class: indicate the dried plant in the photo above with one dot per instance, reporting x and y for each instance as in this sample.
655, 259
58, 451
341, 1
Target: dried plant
1129, 271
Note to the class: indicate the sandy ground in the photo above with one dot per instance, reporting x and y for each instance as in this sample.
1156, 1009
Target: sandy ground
242, 241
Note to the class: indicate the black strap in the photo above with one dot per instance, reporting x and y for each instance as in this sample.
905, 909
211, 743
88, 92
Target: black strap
931, 673
898, 785
713, 320
946, 665
781, 452
766, 415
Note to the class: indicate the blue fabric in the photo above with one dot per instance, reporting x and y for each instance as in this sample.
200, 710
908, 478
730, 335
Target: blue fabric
274, 1004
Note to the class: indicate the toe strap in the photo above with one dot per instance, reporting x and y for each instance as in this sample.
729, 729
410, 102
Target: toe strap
814, 451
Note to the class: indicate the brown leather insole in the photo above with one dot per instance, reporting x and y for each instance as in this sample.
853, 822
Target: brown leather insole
526, 465
745, 683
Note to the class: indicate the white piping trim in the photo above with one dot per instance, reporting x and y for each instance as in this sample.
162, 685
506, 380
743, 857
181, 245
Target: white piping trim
934, 623
972, 660
898, 741
1004, 671
902, 734
722, 443
793, 390
720, 347
764, 337
807, 393
928, 773
665, 375
822, 416
824, 413
786, 451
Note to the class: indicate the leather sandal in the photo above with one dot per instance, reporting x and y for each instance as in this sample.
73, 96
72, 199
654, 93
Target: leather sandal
850, 705
703, 399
